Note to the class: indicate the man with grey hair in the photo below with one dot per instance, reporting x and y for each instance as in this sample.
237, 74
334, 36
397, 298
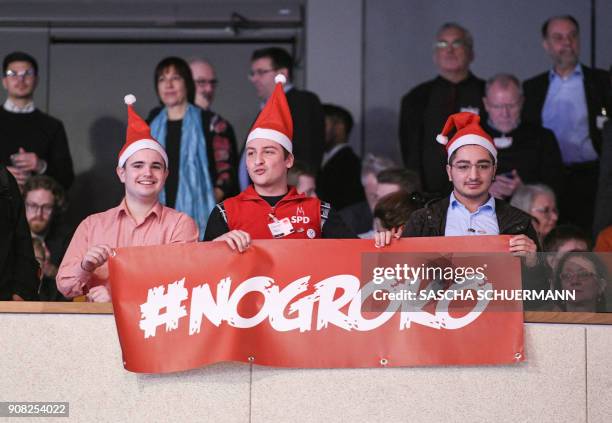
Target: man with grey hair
425, 108
527, 152
205, 79
573, 101
223, 136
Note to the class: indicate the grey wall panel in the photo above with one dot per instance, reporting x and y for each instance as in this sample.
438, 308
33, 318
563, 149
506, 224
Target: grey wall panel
334, 56
603, 34
33, 41
88, 83
399, 36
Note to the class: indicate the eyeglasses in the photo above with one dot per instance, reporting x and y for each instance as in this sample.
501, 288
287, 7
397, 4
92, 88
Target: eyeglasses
466, 167
509, 107
35, 208
442, 44
203, 82
259, 72
546, 210
579, 277
20, 74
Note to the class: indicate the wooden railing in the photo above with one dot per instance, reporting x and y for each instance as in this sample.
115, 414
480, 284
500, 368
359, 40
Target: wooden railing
107, 308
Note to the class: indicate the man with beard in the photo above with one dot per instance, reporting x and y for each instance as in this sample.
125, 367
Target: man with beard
44, 202
573, 101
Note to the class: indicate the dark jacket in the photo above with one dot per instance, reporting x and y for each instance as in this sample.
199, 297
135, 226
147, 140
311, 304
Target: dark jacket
534, 154
603, 205
358, 217
598, 96
57, 241
431, 220
39, 133
18, 267
308, 127
339, 181
423, 113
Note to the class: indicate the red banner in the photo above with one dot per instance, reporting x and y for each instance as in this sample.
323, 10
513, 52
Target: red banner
317, 303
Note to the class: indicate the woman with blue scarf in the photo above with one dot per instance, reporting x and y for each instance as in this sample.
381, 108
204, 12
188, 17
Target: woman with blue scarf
180, 128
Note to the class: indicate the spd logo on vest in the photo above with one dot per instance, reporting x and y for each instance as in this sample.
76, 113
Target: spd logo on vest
300, 216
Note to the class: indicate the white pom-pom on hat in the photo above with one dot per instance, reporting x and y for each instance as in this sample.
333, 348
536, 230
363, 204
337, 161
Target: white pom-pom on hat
129, 99
280, 78
442, 139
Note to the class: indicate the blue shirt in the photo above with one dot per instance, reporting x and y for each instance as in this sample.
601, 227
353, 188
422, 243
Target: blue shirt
460, 222
565, 113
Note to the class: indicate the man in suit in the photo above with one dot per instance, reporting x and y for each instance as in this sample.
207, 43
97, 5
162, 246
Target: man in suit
427, 106
572, 100
305, 107
339, 181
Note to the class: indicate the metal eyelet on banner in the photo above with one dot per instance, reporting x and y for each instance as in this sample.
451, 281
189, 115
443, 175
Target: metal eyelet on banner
518, 356
251, 359
384, 361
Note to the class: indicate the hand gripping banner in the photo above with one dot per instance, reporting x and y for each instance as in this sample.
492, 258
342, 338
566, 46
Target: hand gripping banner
317, 303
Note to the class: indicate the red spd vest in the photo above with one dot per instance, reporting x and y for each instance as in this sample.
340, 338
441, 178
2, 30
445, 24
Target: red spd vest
249, 212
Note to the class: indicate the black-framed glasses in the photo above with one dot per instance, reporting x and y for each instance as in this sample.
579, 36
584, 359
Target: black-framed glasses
10, 73
35, 208
203, 82
259, 72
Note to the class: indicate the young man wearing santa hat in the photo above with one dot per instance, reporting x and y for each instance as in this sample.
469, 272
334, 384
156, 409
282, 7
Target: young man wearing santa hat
470, 210
269, 208
139, 220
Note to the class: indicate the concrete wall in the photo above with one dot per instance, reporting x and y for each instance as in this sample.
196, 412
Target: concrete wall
76, 358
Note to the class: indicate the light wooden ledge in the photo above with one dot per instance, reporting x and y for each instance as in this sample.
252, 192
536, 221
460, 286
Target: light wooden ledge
55, 307
568, 317
107, 308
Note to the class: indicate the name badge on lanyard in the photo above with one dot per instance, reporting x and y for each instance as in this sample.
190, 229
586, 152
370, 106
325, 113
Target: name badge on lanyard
280, 228
601, 119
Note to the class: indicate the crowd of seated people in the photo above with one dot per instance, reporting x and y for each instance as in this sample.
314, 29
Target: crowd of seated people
480, 157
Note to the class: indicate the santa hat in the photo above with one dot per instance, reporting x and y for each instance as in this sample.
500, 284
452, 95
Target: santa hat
274, 123
138, 135
468, 132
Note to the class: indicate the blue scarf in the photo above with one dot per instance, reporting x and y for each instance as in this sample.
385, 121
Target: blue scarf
195, 191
